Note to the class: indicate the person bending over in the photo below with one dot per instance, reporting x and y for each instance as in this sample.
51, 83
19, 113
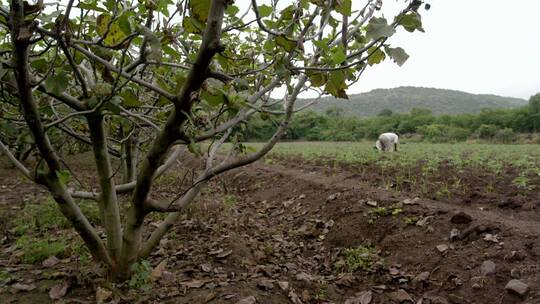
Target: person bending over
387, 142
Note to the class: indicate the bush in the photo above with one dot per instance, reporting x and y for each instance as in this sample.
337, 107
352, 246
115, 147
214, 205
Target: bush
443, 133
486, 131
505, 135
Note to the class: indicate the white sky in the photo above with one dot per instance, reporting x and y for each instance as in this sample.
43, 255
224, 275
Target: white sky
477, 46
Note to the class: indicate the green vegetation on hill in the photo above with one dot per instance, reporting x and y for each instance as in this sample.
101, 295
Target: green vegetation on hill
404, 99
496, 125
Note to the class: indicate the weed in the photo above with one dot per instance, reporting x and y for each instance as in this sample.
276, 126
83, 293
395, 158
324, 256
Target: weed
140, 278
522, 182
268, 249
45, 216
411, 220
229, 201
4, 277
359, 258
379, 211
37, 250
322, 294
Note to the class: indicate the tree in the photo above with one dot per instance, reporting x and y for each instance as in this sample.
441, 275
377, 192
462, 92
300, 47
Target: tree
146, 81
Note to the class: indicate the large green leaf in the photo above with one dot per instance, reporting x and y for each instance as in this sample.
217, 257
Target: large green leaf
397, 54
343, 7
56, 84
130, 99
287, 44
110, 31
199, 9
336, 84
411, 22
338, 56
378, 27
317, 79
376, 56
265, 10
192, 25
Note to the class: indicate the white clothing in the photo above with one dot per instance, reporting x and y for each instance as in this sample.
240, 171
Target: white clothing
387, 142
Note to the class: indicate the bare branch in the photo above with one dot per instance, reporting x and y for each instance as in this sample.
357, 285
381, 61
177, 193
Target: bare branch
14, 161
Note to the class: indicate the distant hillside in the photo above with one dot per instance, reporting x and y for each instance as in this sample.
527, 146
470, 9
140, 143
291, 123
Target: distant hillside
403, 99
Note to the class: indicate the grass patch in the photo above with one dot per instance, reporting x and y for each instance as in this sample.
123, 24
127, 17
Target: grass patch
359, 258
45, 216
37, 250
140, 278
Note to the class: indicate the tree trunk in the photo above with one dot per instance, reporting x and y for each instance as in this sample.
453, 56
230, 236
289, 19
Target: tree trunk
108, 200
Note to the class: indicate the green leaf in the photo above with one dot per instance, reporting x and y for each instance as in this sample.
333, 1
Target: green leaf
232, 10
317, 79
192, 25
265, 10
63, 176
56, 84
378, 28
397, 54
213, 100
376, 56
123, 23
130, 98
338, 56
411, 22
92, 6
102, 23
336, 85
111, 32
41, 65
288, 45
343, 7
322, 44
199, 9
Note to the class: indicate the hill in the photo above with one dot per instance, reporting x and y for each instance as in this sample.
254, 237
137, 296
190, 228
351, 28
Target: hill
403, 99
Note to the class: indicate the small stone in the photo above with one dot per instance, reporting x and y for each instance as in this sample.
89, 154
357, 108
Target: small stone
461, 218
438, 300
515, 273
442, 248
424, 221
371, 203
332, 197
248, 300
51, 261
488, 268
517, 287
24, 287
454, 234
457, 299
421, 278
401, 296
409, 201
103, 295
477, 282
265, 284
284, 285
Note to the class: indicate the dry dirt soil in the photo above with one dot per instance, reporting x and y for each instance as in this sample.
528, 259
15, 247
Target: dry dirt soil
298, 232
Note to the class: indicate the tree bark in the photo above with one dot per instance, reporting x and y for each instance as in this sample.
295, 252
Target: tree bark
209, 47
108, 201
21, 32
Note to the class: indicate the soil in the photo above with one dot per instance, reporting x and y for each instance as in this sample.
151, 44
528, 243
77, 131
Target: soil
280, 232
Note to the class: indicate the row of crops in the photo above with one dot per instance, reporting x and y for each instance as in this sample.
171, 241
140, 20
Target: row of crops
443, 168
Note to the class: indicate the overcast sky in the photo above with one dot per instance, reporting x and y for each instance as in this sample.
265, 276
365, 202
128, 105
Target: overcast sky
477, 46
